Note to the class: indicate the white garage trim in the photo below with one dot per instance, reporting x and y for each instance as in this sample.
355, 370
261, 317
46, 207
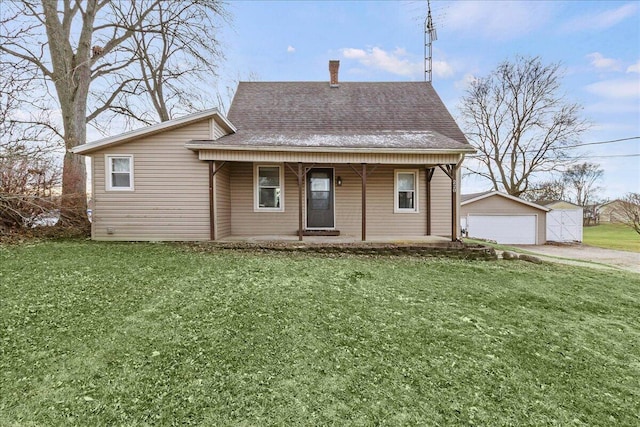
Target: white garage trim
519, 229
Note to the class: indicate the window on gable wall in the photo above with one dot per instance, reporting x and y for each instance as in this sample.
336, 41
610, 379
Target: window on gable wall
269, 188
119, 172
406, 191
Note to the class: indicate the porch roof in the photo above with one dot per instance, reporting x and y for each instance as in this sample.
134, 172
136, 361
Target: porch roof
418, 141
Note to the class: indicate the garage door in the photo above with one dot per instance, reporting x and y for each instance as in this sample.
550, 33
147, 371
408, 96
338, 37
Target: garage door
508, 229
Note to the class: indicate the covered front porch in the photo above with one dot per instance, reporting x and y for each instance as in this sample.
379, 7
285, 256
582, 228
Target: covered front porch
365, 202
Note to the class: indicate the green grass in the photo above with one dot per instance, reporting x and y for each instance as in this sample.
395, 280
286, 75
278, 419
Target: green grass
161, 334
612, 236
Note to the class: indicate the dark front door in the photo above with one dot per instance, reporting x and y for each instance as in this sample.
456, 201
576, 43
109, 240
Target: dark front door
320, 198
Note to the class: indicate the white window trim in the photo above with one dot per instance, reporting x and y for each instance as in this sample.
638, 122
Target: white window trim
108, 171
256, 187
416, 180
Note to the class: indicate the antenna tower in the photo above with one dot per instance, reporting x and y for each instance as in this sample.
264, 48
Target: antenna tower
430, 36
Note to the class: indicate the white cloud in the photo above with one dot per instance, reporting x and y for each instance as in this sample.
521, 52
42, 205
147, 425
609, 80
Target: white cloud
465, 82
397, 62
352, 53
635, 68
496, 20
599, 61
442, 69
616, 89
291, 49
601, 20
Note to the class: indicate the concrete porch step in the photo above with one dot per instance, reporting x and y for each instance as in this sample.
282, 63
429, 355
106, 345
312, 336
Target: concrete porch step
320, 232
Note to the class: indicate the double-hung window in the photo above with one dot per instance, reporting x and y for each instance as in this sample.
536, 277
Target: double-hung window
406, 191
119, 172
269, 188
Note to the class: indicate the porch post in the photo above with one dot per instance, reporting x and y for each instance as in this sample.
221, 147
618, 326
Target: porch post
452, 172
300, 182
212, 205
364, 202
454, 213
429, 174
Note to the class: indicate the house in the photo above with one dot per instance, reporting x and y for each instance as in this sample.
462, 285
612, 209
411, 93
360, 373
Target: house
506, 219
611, 212
365, 160
564, 221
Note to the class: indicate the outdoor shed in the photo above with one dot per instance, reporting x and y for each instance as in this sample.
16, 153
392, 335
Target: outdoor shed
503, 218
355, 159
564, 221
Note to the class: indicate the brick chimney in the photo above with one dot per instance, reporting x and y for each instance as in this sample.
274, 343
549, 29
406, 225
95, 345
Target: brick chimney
333, 72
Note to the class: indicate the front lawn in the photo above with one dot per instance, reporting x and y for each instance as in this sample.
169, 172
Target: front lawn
612, 236
162, 334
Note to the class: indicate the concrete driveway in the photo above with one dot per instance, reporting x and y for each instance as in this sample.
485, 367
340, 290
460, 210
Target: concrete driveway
587, 256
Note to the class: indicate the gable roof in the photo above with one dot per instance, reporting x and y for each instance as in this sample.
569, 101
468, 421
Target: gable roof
471, 198
154, 129
355, 115
611, 202
551, 203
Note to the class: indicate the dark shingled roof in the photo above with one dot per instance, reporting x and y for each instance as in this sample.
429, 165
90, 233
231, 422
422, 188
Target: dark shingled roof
354, 115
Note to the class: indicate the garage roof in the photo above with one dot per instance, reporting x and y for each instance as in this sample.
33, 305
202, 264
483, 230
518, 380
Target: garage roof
471, 198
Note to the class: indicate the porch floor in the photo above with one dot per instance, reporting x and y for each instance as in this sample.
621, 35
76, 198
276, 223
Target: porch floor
332, 240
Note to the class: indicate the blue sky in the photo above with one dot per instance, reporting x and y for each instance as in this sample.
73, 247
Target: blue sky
597, 43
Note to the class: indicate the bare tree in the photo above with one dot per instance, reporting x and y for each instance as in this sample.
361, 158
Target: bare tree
631, 210
26, 183
76, 47
24, 127
546, 190
171, 63
520, 123
581, 182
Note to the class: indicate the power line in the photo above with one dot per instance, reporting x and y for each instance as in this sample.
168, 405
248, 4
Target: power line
613, 155
577, 158
611, 141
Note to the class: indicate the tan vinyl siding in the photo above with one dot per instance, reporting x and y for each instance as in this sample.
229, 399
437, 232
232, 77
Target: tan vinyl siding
171, 197
348, 204
497, 205
441, 204
223, 202
381, 219
246, 222
326, 158
216, 129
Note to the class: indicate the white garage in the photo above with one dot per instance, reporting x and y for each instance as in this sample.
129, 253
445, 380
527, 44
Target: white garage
509, 229
503, 218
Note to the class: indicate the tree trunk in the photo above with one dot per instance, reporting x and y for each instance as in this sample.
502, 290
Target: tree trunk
73, 209
72, 77
73, 204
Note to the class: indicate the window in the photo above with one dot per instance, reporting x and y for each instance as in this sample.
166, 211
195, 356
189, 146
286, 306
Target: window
119, 172
406, 191
269, 194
